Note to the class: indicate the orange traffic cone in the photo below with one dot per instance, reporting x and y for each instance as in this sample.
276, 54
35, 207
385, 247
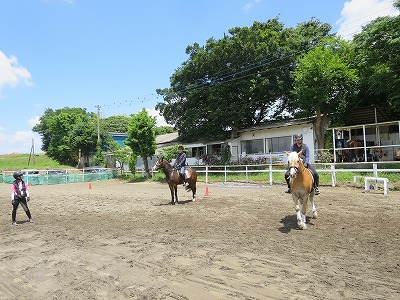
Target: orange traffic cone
207, 193
90, 185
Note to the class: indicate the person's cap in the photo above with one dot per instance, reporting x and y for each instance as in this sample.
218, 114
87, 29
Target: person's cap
17, 174
298, 136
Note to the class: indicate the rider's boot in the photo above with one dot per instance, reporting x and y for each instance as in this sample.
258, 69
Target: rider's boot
316, 190
183, 179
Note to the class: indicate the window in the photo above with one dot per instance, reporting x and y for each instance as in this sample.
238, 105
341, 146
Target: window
196, 152
252, 146
278, 144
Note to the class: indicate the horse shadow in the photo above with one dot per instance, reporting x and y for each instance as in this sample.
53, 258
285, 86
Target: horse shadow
169, 203
290, 222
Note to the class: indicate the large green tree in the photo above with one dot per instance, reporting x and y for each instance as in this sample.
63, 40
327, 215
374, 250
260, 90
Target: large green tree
377, 50
141, 137
235, 82
325, 83
67, 130
115, 124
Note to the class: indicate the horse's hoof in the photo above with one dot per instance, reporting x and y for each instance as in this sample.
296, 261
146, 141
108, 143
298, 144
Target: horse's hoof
314, 215
194, 199
301, 225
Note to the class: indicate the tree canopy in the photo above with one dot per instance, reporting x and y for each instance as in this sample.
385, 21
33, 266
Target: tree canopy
67, 130
238, 81
141, 137
324, 81
377, 50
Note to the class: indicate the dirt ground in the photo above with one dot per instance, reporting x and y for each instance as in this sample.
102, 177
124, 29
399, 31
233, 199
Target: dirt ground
124, 241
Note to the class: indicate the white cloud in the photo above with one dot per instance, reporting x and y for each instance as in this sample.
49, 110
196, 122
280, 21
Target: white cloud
19, 142
11, 73
358, 13
159, 119
22, 136
249, 5
34, 121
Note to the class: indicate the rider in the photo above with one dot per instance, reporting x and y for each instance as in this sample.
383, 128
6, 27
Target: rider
19, 195
305, 156
180, 163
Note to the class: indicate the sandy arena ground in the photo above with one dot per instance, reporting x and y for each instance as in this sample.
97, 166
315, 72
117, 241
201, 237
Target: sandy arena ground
124, 241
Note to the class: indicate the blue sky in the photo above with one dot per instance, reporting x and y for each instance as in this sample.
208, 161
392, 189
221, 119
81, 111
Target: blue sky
84, 53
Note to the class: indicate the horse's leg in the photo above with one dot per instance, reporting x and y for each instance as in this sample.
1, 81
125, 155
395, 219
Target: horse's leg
304, 210
193, 187
176, 193
299, 208
313, 206
171, 188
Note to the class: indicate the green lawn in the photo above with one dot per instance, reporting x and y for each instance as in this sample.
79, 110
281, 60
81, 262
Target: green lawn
25, 161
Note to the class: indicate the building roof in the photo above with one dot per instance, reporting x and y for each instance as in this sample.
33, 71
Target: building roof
280, 123
168, 138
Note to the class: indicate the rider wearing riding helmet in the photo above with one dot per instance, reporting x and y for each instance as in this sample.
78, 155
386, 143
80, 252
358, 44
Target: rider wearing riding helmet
19, 195
305, 156
180, 163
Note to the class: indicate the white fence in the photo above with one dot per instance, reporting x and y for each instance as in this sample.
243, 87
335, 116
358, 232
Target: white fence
332, 168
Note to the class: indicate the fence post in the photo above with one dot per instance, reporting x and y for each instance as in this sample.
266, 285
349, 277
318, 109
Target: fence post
225, 175
270, 174
206, 174
375, 167
333, 175
247, 176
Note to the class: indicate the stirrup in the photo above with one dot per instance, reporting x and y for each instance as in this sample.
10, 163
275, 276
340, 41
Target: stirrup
316, 191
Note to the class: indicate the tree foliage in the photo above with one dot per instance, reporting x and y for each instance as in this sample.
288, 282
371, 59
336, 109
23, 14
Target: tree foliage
141, 137
117, 124
324, 82
377, 50
122, 154
236, 82
159, 130
67, 130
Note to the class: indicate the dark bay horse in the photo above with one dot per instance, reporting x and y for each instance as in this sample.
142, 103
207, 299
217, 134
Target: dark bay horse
173, 178
301, 186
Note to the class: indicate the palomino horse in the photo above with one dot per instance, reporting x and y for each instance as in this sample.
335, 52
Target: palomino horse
174, 179
301, 186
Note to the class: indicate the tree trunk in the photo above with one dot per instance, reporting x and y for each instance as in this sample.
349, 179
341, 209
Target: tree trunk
321, 123
146, 167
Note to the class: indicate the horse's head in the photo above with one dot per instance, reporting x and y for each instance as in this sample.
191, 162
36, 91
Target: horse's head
295, 163
159, 163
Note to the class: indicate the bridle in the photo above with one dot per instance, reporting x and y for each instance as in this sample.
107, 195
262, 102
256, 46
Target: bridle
296, 169
159, 164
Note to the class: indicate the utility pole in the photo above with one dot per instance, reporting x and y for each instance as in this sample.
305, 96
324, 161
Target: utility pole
98, 122
32, 154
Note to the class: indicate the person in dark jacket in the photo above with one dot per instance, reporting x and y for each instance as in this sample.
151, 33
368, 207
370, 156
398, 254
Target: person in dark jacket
180, 163
297, 147
19, 195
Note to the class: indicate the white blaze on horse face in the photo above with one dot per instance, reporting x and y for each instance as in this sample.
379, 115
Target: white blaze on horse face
293, 162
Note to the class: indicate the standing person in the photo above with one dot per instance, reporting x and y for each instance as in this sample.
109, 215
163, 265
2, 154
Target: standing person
19, 195
297, 147
180, 163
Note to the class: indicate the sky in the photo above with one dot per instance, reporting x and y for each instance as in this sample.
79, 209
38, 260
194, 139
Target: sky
115, 54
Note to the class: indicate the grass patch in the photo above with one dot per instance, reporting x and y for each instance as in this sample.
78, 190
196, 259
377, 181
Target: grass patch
11, 162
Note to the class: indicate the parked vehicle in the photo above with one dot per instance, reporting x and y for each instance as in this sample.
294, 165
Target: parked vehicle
30, 172
56, 172
94, 169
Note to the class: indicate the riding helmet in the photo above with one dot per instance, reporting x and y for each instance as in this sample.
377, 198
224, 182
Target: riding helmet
17, 174
298, 136
180, 147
